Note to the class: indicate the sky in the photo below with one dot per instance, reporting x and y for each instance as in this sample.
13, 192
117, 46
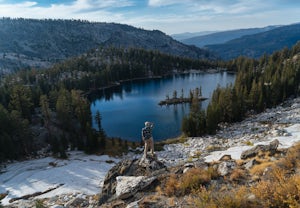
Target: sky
169, 16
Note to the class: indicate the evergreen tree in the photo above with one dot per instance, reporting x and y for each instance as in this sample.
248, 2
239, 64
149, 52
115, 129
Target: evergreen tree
195, 123
81, 107
63, 109
175, 94
98, 119
20, 100
44, 103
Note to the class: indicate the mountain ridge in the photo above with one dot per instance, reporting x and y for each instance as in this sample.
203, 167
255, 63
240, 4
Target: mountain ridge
223, 36
256, 45
40, 43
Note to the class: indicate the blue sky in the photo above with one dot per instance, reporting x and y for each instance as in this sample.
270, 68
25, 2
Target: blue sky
169, 16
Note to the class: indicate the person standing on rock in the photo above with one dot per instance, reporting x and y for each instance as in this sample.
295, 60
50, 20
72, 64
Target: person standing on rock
148, 138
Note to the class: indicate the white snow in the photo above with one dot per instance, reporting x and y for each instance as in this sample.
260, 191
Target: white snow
235, 152
80, 173
84, 174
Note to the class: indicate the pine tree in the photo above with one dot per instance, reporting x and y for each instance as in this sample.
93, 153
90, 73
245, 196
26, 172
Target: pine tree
20, 100
63, 109
44, 103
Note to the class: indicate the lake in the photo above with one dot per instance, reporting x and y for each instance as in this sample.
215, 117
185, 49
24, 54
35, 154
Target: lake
125, 108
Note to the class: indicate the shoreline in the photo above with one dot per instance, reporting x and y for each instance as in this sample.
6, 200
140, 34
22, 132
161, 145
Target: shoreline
119, 83
281, 122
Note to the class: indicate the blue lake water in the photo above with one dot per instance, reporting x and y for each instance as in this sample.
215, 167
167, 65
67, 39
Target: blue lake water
125, 108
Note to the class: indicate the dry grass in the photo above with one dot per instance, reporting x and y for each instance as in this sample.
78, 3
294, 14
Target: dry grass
238, 174
192, 180
158, 190
248, 143
292, 158
279, 191
235, 198
277, 185
159, 146
211, 148
197, 154
171, 201
259, 169
171, 186
240, 162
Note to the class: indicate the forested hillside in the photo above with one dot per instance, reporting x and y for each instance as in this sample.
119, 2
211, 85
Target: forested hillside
224, 36
40, 43
254, 46
53, 99
259, 84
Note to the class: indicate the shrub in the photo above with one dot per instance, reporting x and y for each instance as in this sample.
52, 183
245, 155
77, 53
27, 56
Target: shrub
237, 198
279, 191
171, 186
237, 175
291, 160
193, 179
213, 172
259, 169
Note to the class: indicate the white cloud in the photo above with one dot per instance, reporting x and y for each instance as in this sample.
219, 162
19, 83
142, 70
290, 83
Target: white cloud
170, 16
79, 9
158, 3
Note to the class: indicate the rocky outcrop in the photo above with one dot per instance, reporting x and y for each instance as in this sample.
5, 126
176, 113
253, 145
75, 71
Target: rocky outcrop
127, 186
130, 176
272, 147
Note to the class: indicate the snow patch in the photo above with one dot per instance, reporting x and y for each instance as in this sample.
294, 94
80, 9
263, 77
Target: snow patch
80, 173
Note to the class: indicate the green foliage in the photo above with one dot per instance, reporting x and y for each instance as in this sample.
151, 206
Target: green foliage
15, 135
64, 109
259, 85
20, 100
195, 123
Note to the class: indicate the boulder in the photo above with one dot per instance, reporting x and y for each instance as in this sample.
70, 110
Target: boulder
272, 147
127, 186
226, 167
144, 168
250, 164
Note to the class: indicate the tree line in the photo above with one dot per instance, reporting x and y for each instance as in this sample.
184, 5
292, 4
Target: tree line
259, 84
55, 98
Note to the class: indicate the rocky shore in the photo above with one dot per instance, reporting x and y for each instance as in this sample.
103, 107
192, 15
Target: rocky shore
280, 125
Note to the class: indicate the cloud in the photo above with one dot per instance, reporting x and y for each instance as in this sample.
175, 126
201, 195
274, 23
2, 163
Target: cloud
159, 3
79, 9
171, 16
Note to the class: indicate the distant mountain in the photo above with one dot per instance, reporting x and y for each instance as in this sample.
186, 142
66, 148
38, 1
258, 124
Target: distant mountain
223, 37
256, 45
40, 43
187, 35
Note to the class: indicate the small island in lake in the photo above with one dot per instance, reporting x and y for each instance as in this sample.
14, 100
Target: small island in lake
195, 94
173, 101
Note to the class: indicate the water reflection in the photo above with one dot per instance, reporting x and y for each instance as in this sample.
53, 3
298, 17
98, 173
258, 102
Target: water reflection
126, 107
